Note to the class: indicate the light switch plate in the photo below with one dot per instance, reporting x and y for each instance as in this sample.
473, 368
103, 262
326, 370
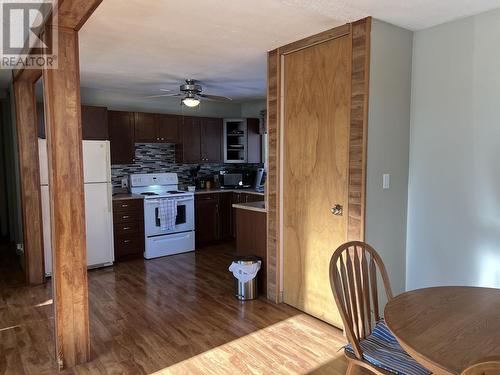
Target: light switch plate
124, 182
386, 181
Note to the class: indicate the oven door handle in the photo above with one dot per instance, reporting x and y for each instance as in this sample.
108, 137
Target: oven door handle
185, 200
157, 201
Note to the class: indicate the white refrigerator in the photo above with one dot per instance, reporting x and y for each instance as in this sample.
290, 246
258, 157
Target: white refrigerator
98, 203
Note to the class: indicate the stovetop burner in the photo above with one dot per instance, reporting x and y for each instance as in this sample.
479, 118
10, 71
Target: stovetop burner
149, 193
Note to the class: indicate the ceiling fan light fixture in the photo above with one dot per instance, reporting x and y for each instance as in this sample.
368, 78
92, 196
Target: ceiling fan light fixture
190, 102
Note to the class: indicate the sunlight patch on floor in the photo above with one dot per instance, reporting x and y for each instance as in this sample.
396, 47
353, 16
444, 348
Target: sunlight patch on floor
9, 328
46, 303
297, 345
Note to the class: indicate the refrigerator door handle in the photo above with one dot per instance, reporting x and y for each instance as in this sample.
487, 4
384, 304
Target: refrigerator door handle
108, 161
110, 197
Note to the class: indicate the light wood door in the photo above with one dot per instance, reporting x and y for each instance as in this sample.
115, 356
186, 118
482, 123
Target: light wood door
316, 122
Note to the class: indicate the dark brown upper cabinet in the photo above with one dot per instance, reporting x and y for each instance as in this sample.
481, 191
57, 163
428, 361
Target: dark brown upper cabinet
94, 122
156, 128
254, 141
211, 140
121, 136
146, 127
168, 128
201, 140
189, 151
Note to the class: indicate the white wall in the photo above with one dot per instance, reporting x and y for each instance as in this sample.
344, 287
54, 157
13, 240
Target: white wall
454, 183
388, 144
253, 108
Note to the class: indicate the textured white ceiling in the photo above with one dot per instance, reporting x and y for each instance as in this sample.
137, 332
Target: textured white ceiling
409, 14
140, 46
144, 45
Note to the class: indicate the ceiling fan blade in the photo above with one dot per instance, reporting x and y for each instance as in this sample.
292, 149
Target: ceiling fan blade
161, 95
216, 98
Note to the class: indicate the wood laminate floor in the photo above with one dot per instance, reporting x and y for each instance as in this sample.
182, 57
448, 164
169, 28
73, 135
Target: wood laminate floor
172, 315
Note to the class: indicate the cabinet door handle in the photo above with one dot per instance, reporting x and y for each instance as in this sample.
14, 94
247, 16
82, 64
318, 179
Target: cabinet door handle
126, 241
124, 205
125, 217
126, 228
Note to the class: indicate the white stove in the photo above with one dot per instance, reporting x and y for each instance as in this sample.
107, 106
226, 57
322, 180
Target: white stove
157, 187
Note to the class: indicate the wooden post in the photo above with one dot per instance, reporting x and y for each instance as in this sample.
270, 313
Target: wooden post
67, 206
30, 180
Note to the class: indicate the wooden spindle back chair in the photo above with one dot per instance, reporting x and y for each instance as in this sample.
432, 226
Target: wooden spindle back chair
487, 366
353, 278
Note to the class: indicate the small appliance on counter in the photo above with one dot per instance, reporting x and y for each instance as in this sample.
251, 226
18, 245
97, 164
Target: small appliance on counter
243, 178
230, 179
260, 180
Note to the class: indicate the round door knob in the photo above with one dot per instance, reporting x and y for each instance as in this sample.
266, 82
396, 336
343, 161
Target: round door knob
337, 210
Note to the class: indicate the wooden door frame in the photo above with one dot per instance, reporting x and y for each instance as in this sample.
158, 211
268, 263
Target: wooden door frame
359, 34
71, 323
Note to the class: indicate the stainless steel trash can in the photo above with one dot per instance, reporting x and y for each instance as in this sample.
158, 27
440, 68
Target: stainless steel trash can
248, 290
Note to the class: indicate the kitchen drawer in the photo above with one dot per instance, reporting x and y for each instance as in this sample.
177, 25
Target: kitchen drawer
120, 217
131, 205
128, 228
126, 245
207, 197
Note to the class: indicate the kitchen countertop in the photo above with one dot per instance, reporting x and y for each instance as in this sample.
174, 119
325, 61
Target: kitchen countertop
248, 191
125, 196
252, 206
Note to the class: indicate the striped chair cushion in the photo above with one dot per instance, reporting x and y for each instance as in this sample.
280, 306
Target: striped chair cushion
382, 350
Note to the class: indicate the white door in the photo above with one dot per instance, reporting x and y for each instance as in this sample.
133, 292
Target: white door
47, 242
96, 161
99, 224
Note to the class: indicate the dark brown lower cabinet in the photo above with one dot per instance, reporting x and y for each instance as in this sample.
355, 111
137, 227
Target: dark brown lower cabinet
226, 215
213, 217
128, 229
206, 218
251, 239
242, 198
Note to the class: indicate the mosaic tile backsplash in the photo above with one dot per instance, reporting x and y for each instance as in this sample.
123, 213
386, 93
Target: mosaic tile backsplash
160, 157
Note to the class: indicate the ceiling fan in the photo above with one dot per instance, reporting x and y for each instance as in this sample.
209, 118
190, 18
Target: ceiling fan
191, 91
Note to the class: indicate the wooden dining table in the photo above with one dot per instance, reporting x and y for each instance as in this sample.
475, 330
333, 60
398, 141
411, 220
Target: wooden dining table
447, 329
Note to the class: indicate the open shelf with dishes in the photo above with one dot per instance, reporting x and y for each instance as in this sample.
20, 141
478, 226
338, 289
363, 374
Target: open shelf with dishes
235, 141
